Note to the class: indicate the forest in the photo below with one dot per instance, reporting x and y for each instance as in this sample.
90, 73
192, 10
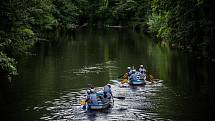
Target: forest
187, 25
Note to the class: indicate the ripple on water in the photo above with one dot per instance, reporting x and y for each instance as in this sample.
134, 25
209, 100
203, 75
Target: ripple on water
137, 104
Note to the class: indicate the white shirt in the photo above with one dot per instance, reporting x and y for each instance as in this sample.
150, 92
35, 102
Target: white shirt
107, 89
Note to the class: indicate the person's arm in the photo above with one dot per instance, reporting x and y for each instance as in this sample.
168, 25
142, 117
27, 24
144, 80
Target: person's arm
88, 98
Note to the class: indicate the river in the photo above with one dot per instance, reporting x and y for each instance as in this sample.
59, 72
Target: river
53, 80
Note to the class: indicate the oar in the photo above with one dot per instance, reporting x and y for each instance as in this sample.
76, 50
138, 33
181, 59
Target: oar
112, 98
83, 102
121, 76
122, 98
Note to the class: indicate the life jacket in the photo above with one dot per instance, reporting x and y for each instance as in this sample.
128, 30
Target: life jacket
129, 72
93, 98
107, 89
133, 76
125, 76
124, 81
142, 70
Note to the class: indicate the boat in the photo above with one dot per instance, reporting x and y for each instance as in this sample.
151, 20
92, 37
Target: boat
101, 103
137, 81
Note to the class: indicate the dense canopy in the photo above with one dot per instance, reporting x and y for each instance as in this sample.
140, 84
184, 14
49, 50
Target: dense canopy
185, 24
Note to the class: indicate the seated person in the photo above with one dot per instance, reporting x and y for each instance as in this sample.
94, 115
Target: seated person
107, 91
93, 96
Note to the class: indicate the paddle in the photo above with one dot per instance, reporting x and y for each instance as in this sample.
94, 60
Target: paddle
121, 76
83, 102
122, 98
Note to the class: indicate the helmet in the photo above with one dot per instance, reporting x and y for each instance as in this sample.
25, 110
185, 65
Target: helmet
133, 70
129, 68
141, 66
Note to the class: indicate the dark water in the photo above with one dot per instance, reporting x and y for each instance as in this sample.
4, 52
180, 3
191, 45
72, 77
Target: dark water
52, 82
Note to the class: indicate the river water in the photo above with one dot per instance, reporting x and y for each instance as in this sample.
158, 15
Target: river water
53, 80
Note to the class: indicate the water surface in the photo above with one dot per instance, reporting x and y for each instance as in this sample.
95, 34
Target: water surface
54, 79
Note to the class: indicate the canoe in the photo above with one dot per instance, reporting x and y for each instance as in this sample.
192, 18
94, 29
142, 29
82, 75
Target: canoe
137, 82
99, 105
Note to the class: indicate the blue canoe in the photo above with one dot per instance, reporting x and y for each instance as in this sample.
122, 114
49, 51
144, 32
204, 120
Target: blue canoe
137, 82
101, 104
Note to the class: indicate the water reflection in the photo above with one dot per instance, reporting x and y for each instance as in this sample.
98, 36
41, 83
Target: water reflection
135, 106
51, 84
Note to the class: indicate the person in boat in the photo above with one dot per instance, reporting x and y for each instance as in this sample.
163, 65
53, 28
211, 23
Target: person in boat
129, 71
91, 86
93, 96
133, 75
142, 71
125, 76
107, 91
88, 96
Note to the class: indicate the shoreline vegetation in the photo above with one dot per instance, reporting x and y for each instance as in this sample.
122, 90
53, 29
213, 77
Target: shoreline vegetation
187, 25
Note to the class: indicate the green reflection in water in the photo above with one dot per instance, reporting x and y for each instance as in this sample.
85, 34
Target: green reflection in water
72, 61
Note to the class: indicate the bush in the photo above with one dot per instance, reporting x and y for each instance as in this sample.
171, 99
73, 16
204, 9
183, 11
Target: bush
7, 64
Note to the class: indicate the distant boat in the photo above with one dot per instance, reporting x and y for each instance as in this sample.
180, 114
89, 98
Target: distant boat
137, 81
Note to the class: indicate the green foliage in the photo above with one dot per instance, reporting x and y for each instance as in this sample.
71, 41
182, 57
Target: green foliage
7, 64
67, 13
17, 43
187, 24
199, 2
159, 24
125, 10
41, 15
28, 32
184, 23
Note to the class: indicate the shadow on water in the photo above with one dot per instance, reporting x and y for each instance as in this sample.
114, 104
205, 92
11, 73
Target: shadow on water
52, 82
